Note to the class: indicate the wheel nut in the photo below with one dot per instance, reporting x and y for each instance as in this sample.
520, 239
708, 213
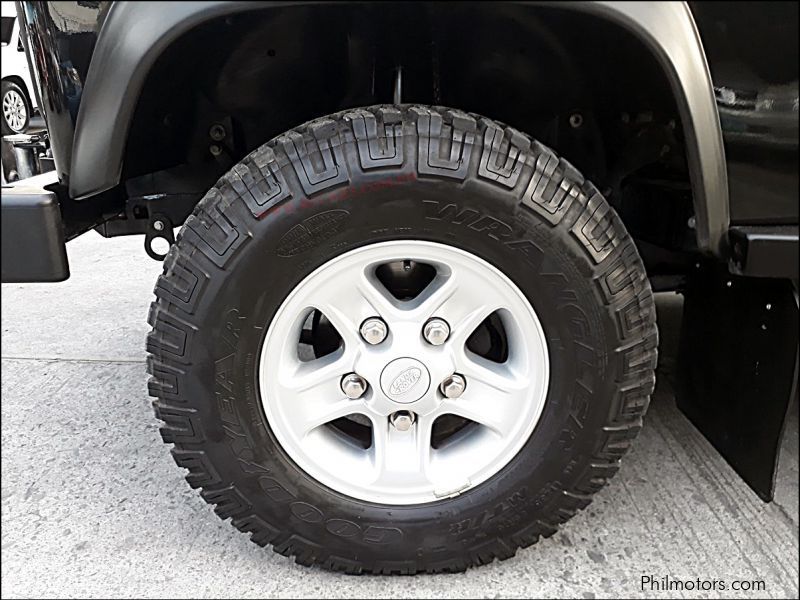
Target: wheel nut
436, 331
402, 420
374, 330
453, 386
354, 386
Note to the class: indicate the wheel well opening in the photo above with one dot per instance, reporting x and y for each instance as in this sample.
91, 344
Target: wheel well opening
21, 83
251, 76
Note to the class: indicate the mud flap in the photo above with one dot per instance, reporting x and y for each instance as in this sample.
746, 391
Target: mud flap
738, 366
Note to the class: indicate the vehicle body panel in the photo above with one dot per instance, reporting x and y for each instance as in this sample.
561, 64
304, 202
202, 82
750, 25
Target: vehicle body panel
753, 55
60, 39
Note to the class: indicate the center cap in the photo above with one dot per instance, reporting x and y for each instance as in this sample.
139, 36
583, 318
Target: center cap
405, 380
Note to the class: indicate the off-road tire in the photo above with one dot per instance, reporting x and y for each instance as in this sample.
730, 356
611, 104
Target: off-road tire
400, 172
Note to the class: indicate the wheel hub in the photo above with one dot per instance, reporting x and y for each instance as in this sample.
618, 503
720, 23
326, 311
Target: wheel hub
405, 380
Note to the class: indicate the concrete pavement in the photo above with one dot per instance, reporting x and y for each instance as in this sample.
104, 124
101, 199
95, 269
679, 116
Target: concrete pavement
93, 505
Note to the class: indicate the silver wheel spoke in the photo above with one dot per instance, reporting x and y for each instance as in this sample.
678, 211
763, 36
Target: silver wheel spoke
493, 397
351, 299
314, 397
461, 299
491, 377
401, 457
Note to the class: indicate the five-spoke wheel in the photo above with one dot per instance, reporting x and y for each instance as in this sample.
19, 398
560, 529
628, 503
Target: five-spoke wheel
404, 372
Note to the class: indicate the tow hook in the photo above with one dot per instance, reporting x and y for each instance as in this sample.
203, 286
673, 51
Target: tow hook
159, 237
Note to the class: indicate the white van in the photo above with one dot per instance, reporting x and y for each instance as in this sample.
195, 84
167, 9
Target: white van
17, 95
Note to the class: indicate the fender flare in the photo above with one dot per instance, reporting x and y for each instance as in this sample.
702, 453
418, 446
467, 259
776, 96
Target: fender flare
134, 35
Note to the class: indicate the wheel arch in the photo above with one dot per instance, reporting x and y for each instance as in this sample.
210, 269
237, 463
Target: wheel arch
134, 37
16, 79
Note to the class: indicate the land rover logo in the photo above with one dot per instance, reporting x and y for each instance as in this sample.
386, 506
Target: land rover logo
405, 381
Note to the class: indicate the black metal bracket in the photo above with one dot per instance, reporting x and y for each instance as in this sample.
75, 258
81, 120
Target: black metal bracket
765, 250
158, 227
738, 367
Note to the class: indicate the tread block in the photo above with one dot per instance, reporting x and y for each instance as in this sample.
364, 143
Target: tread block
623, 275
550, 200
527, 535
395, 567
639, 357
164, 381
261, 532
168, 339
344, 565
631, 401
592, 485
213, 229
318, 159
260, 183
504, 154
304, 550
379, 142
177, 280
180, 426
616, 445
598, 228
228, 501
181, 282
201, 470
170, 335
635, 315
445, 149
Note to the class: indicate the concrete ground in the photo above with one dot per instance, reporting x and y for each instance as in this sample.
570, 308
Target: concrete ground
93, 506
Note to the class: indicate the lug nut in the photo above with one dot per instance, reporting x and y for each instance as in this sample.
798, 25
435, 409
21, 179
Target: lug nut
374, 330
402, 420
354, 386
453, 386
436, 331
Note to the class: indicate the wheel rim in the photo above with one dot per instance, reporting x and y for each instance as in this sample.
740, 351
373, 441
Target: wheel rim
303, 399
14, 110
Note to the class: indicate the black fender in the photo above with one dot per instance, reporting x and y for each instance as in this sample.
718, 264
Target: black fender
134, 35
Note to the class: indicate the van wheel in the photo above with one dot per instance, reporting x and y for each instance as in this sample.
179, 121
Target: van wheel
16, 108
401, 339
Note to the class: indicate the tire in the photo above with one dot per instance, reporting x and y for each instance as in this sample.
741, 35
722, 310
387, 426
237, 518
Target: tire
347, 182
12, 95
